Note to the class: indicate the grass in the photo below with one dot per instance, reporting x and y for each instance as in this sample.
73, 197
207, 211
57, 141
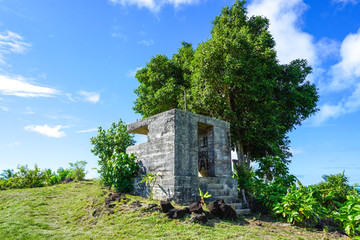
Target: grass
66, 212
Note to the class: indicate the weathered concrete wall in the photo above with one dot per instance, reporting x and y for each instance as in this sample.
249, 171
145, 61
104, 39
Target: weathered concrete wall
173, 151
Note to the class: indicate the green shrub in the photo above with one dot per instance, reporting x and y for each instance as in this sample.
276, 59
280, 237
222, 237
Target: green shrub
8, 173
349, 214
110, 146
333, 190
244, 177
299, 205
62, 174
267, 184
121, 168
30, 178
77, 170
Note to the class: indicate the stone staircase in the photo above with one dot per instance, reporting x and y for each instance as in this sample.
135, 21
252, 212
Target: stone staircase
217, 191
238, 207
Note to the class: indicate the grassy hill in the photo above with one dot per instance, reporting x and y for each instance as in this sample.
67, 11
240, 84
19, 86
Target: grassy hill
78, 211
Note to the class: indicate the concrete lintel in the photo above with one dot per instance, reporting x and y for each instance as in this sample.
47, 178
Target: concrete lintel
140, 127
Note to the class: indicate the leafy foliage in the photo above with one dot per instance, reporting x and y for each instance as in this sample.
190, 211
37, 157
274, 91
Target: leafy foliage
334, 190
148, 179
267, 184
77, 170
163, 82
300, 204
31, 178
203, 196
8, 173
245, 177
349, 214
122, 168
234, 76
110, 146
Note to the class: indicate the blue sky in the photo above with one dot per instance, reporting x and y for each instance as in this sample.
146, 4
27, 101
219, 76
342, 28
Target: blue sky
67, 67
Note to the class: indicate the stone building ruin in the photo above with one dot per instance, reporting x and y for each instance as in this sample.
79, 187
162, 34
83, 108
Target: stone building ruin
190, 151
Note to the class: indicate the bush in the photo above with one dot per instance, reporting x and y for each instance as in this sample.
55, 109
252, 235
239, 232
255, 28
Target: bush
349, 214
116, 167
299, 205
125, 168
267, 184
30, 178
62, 174
333, 190
77, 170
118, 171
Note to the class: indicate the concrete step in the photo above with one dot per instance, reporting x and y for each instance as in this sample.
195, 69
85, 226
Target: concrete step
215, 186
236, 206
244, 211
218, 192
209, 180
227, 199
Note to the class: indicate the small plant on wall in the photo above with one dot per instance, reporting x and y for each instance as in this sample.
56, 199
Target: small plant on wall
150, 180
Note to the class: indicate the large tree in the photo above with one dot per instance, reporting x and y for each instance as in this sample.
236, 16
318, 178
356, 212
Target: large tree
163, 82
235, 76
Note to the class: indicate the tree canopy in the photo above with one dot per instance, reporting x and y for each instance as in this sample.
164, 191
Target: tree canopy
234, 76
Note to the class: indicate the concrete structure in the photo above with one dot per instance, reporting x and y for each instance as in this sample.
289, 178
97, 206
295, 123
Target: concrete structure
190, 151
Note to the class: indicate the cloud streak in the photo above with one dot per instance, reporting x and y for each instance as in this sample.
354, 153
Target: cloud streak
92, 97
11, 42
18, 86
87, 130
154, 5
54, 132
146, 42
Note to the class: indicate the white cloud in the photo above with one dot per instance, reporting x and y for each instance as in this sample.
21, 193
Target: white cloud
47, 130
88, 130
146, 42
284, 16
11, 42
154, 5
326, 47
345, 106
328, 111
4, 108
344, 2
18, 86
347, 72
92, 97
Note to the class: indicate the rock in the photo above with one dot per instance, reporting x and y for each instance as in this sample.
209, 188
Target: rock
177, 213
221, 210
195, 207
209, 215
150, 206
113, 197
136, 204
215, 209
96, 213
228, 212
200, 218
165, 206
67, 180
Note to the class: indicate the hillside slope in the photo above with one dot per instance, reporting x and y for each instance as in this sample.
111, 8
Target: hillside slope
78, 211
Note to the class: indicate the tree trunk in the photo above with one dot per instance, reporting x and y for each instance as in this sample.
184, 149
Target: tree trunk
242, 158
240, 152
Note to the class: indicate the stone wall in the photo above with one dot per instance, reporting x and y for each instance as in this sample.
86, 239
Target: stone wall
172, 149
